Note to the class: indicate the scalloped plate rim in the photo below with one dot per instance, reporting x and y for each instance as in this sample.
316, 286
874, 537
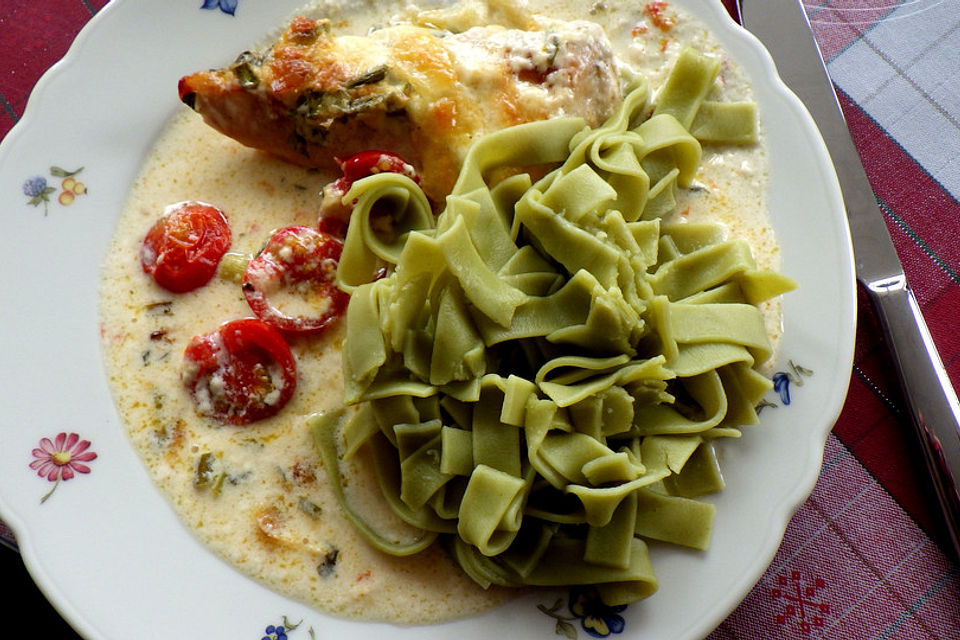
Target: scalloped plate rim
93, 624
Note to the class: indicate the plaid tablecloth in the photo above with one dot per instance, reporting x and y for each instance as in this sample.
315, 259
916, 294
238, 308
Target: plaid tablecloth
867, 555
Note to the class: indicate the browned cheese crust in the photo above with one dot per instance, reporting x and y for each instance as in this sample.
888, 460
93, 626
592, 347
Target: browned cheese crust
313, 97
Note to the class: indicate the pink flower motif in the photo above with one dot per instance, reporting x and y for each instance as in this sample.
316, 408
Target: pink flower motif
61, 459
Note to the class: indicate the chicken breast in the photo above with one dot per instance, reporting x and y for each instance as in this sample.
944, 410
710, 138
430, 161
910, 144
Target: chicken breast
421, 92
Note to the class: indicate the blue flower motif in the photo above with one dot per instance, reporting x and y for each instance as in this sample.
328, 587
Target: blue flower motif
35, 186
226, 6
275, 633
597, 619
37, 189
781, 384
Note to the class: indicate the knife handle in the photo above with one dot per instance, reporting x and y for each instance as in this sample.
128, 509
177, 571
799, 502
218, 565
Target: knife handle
930, 396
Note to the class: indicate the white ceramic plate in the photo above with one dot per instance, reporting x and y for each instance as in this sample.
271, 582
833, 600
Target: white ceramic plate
107, 549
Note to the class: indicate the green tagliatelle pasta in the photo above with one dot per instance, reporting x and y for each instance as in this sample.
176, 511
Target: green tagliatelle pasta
543, 372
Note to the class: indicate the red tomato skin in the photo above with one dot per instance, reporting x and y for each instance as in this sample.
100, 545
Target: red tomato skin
334, 214
373, 161
226, 372
182, 249
334, 226
293, 257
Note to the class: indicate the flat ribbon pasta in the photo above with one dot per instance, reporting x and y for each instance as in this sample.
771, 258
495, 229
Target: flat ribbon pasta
545, 367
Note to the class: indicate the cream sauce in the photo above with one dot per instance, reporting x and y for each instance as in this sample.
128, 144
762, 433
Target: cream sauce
266, 508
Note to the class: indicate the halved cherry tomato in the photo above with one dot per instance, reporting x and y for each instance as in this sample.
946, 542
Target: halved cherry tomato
367, 163
291, 284
333, 225
183, 248
242, 372
360, 165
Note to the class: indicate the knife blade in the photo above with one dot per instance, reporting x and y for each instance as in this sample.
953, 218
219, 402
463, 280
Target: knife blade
784, 29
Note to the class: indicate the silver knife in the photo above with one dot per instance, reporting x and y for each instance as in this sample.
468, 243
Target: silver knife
784, 29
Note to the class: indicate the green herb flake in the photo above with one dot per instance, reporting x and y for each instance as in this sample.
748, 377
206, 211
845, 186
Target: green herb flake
310, 508
329, 563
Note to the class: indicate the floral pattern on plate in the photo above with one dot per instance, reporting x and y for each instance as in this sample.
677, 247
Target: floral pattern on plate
783, 379
39, 191
226, 6
61, 459
596, 618
281, 631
